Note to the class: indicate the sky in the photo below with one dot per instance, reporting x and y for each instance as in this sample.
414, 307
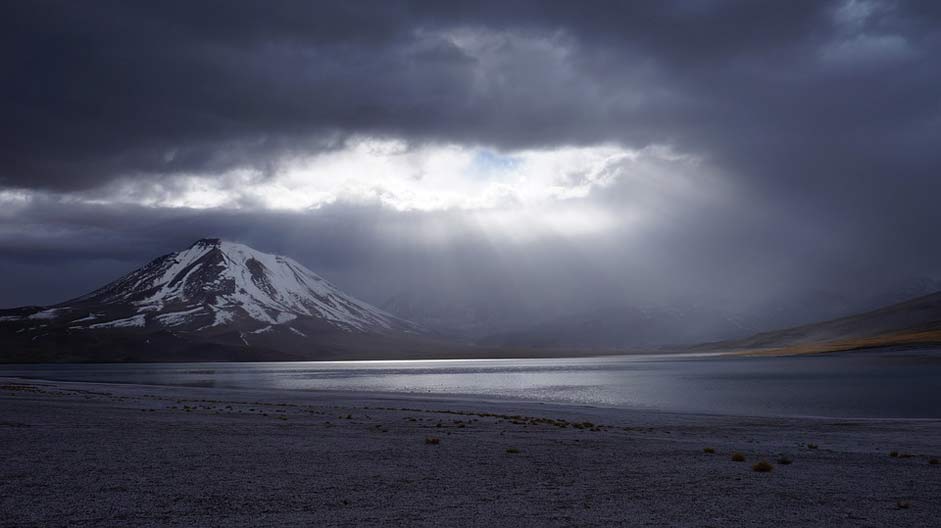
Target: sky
544, 157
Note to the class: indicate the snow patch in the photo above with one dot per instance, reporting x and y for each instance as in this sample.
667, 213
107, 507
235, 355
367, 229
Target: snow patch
221, 317
133, 321
45, 314
167, 292
177, 318
285, 317
90, 317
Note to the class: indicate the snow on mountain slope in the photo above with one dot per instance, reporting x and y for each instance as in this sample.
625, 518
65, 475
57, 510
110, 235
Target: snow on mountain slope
215, 284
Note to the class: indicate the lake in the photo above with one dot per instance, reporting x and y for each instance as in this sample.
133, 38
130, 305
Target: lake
895, 383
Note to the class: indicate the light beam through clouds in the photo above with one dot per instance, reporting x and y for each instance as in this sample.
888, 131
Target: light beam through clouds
394, 174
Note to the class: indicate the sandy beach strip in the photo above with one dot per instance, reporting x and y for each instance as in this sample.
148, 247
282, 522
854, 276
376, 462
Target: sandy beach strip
84, 454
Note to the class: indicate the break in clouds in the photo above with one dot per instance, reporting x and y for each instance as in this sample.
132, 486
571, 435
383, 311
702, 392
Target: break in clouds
547, 159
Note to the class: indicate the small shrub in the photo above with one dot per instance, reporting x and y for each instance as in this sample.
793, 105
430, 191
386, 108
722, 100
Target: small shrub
512, 450
811, 446
894, 454
762, 467
906, 455
784, 461
708, 450
738, 457
432, 440
934, 462
903, 505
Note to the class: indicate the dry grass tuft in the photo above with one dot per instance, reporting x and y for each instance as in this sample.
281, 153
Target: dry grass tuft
762, 467
432, 440
934, 462
903, 505
738, 457
708, 450
512, 450
784, 461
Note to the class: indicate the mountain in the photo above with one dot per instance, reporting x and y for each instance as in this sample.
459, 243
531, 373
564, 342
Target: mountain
213, 300
914, 322
626, 327
219, 300
680, 322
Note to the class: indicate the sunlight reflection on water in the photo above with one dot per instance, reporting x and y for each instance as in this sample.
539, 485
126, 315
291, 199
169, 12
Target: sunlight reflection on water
883, 384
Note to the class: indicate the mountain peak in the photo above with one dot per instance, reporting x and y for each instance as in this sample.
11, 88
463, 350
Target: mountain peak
215, 286
207, 242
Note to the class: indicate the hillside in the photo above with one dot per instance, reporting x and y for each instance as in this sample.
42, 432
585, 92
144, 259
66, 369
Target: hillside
910, 323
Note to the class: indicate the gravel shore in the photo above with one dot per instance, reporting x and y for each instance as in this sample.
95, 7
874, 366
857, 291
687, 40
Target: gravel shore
82, 454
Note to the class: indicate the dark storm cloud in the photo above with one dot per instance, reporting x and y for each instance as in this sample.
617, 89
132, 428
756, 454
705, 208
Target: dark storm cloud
96, 91
818, 120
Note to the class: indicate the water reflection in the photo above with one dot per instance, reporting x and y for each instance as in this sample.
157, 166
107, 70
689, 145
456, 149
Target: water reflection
884, 384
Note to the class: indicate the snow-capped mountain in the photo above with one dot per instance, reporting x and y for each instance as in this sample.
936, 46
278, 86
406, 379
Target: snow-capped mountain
214, 293
215, 282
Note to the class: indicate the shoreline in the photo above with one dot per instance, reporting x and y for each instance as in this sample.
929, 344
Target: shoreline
98, 454
354, 397
536, 354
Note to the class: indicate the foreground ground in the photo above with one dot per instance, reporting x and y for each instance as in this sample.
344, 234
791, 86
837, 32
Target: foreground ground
78, 454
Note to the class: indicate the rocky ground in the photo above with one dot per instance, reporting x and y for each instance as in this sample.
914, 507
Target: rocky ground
78, 454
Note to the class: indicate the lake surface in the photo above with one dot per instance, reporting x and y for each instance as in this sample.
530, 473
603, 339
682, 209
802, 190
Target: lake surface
859, 384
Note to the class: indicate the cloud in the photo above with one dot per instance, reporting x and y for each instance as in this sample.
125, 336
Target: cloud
126, 90
396, 175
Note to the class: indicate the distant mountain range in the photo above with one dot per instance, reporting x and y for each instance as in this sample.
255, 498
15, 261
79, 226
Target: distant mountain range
219, 300
213, 300
916, 322
632, 324
627, 326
